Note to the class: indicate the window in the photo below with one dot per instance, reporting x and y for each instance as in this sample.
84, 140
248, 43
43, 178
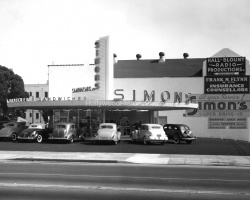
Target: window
106, 127
30, 114
30, 94
61, 126
46, 94
37, 94
37, 115
156, 127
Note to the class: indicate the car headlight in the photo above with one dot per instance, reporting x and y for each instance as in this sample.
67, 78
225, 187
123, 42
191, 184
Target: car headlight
149, 134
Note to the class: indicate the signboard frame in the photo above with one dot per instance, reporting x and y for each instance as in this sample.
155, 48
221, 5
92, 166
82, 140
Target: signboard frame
226, 66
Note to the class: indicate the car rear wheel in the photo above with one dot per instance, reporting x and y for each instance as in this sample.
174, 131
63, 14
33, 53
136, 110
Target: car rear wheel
176, 140
72, 139
145, 140
39, 138
14, 137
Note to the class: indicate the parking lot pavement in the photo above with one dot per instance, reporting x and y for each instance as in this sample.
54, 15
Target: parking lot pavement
132, 158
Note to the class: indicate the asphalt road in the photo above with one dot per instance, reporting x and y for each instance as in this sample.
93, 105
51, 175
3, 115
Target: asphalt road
29, 180
202, 146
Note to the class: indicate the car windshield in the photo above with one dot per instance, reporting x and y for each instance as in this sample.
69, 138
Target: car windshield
106, 127
184, 128
60, 126
10, 125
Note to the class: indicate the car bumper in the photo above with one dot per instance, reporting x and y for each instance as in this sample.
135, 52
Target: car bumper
5, 137
157, 139
189, 139
26, 138
103, 139
60, 138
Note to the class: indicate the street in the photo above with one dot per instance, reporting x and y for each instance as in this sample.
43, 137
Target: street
48, 180
202, 146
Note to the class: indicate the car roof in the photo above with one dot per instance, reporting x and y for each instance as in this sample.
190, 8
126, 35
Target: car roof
65, 123
108, 124
151, 124
37, 125
175, 125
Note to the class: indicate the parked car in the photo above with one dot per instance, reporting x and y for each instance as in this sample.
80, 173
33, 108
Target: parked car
108, 132
4, 121
38, 132
11, 130
64, 132
149, 133
179, 132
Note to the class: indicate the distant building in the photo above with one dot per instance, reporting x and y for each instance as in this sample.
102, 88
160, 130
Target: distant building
36, 91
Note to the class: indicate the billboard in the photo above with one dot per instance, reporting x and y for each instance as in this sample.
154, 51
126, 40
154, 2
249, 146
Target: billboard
226, 66
220, 105
227, 123
226, 84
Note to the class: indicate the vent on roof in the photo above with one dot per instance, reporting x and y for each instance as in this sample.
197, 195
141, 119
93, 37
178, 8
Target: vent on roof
185, 55
161, 54
114, 57
138, 56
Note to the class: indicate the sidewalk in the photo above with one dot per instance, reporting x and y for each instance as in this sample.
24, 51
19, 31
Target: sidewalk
129, 158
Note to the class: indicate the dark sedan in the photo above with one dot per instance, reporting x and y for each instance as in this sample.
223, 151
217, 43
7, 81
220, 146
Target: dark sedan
178, 133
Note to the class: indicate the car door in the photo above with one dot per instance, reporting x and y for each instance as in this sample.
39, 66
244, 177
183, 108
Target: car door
170, 131
142, 132
73, 130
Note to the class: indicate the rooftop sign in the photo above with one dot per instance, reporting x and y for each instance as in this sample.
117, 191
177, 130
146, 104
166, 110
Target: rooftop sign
226, 66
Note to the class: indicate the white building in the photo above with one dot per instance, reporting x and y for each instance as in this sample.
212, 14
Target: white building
36, 91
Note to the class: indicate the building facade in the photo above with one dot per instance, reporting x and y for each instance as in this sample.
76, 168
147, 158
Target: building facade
36, 91
218, 84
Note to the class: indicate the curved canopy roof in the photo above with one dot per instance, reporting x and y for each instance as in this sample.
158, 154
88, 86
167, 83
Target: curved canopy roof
100, 104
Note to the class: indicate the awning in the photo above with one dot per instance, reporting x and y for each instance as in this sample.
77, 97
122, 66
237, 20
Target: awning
101, 104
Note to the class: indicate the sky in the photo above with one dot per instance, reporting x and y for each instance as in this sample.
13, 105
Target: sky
38, 33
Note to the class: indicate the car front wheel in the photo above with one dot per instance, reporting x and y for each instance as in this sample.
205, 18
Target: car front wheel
176, 140
39, 138
72, 139
14, 137
145, 140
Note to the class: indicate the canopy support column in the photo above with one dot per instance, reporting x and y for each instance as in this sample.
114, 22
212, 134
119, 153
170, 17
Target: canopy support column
103, 115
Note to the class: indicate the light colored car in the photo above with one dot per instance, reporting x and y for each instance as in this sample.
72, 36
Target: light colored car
64, 131
11, 130
149, 133
108, 132
36, 131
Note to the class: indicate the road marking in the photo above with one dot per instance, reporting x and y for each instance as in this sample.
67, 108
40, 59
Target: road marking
128, 177
77, 187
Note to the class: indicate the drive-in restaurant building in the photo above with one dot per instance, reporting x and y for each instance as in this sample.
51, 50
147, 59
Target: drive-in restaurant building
211, 95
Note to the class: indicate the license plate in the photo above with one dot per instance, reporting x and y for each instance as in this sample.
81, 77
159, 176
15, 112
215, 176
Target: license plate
158, 135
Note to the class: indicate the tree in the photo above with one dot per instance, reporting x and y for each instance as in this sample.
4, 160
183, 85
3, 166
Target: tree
11, 87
